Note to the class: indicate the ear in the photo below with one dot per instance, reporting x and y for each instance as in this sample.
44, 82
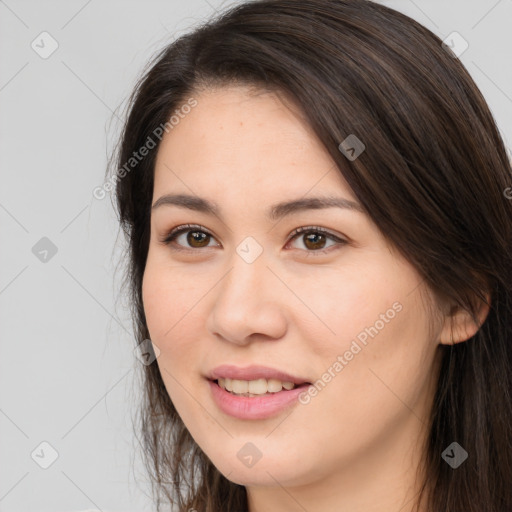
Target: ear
459, 325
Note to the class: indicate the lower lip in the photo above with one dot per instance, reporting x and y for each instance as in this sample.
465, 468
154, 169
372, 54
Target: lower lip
255, 408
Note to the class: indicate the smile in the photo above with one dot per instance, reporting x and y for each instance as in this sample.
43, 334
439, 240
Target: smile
255, 406
252, 388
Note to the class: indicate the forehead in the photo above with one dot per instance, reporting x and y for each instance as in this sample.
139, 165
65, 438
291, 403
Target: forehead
246, 140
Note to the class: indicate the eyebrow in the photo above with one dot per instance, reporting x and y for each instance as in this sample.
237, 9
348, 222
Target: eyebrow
275, 212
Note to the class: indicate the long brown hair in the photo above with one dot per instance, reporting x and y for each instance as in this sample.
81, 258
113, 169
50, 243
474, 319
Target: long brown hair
433, 178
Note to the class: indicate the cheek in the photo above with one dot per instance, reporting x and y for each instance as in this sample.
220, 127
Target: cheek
156, 303
384, 368
166, 305
371, 334
168, 312
174, 316
340, 304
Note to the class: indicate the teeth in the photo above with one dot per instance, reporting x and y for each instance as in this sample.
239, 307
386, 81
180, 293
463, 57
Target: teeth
254, 387
257, 387
274, 385
240, 386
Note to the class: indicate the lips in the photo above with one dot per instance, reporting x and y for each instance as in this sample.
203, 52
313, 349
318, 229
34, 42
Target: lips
254, 372
248, 406
256, 407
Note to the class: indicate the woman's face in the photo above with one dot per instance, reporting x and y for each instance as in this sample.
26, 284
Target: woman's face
339, 308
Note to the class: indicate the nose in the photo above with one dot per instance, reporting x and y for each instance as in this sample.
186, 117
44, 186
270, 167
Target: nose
250, 303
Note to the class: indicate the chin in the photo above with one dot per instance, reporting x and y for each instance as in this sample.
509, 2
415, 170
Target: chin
253, 477
264, 473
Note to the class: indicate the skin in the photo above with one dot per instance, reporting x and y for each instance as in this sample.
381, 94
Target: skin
357, 444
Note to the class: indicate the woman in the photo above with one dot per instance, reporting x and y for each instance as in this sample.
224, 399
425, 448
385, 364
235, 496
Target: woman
320, 239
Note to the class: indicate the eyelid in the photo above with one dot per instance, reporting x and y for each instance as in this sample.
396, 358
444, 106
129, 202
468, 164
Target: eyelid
318, 229
183, 228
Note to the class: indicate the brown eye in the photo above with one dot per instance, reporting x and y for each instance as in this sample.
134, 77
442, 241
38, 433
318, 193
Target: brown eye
192, 237
314, 239
197, 238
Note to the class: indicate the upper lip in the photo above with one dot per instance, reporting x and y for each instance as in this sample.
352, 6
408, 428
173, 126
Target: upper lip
253, 372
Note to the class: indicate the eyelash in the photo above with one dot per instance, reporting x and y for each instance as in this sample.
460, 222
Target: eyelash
175, 232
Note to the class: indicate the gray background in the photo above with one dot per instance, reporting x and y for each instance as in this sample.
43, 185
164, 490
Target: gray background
68, 371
